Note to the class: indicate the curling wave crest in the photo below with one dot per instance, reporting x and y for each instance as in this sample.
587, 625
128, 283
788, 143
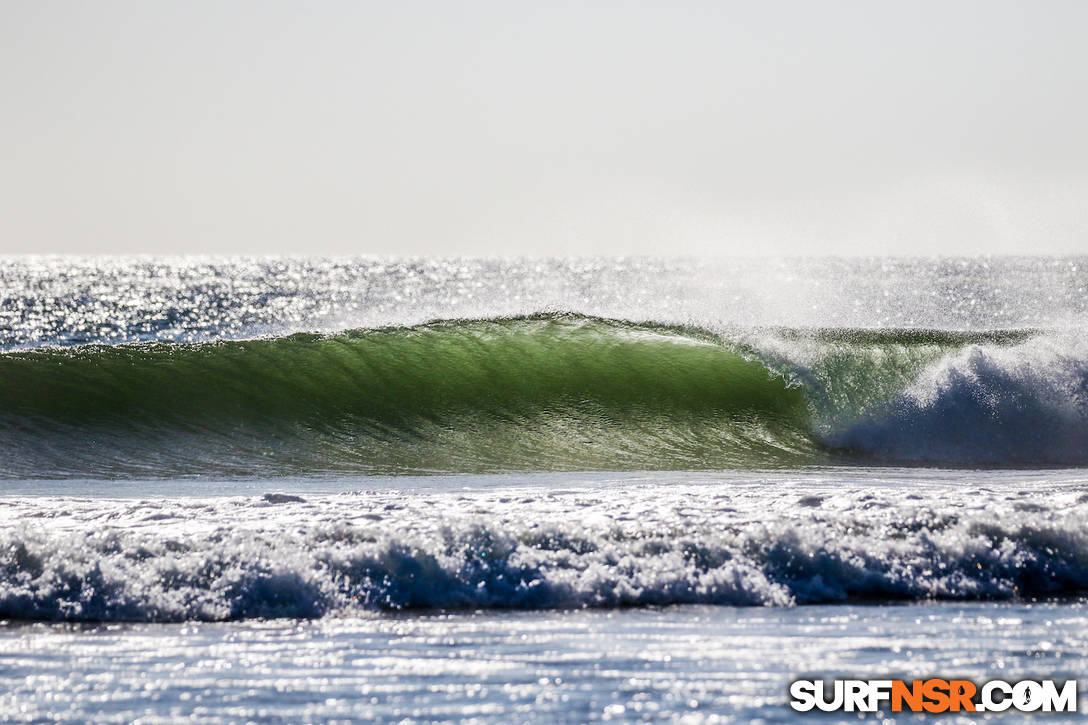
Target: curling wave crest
546, 392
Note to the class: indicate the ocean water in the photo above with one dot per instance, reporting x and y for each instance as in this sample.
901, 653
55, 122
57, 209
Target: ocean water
305, 490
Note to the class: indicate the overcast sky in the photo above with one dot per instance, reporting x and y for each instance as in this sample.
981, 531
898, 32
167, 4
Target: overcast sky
537, 128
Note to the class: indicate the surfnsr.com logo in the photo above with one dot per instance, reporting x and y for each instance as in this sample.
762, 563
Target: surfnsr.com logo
933, 695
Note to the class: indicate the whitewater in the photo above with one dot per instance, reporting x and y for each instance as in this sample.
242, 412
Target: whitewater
294, 489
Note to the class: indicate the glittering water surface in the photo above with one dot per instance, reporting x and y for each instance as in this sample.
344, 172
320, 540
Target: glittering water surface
687, 663
64, 300
301, 490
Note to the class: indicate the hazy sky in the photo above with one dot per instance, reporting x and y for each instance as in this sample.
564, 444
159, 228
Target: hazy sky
543, 128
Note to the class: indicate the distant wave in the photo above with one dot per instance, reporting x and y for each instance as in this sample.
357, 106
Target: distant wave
228, 560
542, 392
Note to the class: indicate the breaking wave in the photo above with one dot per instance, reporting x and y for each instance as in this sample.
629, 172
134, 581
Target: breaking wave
543, 392
357, 560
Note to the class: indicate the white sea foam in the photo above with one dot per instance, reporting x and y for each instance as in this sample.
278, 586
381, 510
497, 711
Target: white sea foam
1022, 404
235, 558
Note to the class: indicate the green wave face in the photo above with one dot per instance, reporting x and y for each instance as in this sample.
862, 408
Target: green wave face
544, 393
547, 392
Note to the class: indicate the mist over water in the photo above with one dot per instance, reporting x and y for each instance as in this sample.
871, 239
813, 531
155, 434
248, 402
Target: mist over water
66, 301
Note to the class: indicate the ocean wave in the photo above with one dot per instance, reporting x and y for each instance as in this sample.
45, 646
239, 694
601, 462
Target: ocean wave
543, 392
344, 557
